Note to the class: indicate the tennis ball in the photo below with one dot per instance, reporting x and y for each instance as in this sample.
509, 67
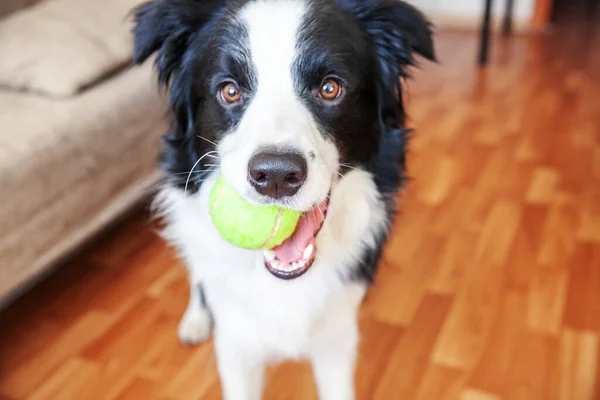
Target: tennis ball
246, 225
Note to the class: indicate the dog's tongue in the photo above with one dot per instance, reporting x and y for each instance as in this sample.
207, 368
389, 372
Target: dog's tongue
310, 222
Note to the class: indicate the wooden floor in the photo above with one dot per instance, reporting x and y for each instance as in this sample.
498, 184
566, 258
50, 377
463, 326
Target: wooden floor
489, 288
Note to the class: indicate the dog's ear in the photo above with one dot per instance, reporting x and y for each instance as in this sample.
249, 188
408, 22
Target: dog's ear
165, 27
397, 31
168, 27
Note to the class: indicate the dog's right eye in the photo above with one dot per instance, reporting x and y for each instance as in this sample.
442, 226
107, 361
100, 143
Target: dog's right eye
230, 93
331, 91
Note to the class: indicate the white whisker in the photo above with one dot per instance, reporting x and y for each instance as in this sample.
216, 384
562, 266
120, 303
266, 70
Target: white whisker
321, 211
209, 141
198, 171
339, 207
195, 174
349, 166
194, 167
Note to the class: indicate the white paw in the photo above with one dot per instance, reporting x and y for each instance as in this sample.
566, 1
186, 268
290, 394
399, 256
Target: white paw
194, 327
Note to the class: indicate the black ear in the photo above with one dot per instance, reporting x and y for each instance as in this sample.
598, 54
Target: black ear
166, 26
171, 28
397, 31
396, 28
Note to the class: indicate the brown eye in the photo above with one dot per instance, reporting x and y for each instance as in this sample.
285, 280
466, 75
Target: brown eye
230, 93
330, 89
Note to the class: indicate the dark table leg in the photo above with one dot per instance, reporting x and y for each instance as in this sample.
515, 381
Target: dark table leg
507, 25
485, 33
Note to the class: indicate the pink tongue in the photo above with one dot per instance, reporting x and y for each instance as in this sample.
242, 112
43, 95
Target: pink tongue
309, 224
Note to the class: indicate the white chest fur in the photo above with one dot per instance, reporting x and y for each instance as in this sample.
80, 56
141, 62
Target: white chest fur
264, 316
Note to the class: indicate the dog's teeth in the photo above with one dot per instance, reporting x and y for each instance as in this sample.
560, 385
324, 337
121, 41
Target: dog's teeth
308, 251
269, 255
283, 266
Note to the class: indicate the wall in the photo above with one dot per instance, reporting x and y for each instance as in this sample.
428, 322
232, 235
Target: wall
468, 13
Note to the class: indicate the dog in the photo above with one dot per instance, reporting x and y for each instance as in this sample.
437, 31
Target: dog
295, 103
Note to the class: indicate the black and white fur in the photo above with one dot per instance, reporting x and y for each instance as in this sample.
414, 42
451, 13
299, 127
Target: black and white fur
278, 52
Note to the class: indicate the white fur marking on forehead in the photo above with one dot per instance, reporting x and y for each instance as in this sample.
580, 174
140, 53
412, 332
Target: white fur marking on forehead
273, 27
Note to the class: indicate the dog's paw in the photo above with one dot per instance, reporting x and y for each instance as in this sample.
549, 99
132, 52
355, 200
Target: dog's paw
194, 327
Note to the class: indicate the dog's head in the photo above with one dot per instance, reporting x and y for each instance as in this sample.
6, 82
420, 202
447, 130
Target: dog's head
283, 95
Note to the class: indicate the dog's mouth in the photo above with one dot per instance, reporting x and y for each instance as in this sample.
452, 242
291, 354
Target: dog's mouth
297, 254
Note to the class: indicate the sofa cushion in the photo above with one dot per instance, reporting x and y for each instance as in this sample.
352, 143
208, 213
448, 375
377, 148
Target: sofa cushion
10, 6
67, 167
59, 47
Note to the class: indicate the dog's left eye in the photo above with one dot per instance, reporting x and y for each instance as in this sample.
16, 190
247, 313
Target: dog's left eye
230, 93
331, 89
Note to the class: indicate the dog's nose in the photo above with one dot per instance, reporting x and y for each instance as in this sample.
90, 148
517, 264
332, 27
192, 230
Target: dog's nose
277, 174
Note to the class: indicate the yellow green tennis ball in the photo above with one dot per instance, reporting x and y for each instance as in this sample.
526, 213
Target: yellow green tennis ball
246, 225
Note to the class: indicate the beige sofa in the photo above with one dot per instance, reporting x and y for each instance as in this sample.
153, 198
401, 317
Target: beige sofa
79, 130
8, 6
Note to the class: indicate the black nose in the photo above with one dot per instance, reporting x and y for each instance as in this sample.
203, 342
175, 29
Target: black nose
277, 174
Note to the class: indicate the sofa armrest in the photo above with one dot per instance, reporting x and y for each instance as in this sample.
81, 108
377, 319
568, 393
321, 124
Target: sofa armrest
10, 6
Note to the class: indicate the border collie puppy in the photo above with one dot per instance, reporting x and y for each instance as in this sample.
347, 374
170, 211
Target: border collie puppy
296, 103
